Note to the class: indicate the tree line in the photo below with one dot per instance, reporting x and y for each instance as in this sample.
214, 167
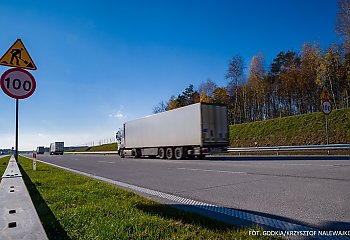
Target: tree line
291, 85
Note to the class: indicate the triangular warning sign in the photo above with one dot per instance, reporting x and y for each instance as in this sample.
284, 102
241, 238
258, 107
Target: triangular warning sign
17, 56
325, 96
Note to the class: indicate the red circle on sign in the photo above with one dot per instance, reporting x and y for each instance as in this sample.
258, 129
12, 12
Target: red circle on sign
326, 107
23, 78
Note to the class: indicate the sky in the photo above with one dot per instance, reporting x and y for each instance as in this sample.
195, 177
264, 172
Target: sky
102, 63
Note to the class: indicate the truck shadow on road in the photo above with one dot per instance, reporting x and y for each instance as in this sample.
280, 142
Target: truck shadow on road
52, 227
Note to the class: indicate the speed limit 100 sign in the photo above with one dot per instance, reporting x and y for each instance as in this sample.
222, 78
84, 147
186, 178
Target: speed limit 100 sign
326, 107
18, 83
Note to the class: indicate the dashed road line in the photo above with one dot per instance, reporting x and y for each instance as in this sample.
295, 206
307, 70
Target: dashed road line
106, 162
210, 170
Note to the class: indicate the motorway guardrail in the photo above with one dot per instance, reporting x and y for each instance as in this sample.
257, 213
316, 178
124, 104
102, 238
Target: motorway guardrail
18, 217
277, 149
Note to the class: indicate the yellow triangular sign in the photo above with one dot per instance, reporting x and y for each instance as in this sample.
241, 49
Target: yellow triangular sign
18, 56
325, 96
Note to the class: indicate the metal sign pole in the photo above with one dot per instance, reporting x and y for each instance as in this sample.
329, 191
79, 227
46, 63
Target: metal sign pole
327, 134
16, 151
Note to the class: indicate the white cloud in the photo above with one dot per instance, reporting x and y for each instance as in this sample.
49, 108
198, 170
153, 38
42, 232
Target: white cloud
119, 115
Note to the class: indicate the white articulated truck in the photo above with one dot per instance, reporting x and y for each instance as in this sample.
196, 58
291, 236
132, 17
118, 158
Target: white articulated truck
191, 131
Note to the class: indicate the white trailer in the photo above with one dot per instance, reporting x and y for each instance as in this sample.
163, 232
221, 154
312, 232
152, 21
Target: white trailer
194, 130
57, 148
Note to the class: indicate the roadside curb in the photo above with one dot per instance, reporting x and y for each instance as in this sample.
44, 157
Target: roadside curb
18, 217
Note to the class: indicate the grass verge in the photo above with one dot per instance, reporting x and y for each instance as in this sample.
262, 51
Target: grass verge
100, 148
294, 130
71, 206
3, 164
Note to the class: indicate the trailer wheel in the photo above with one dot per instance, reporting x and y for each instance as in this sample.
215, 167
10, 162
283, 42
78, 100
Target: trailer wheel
161, 153
169, 153
137, 153
178, 153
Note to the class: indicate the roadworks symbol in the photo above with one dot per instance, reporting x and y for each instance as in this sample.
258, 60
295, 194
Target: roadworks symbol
18, 56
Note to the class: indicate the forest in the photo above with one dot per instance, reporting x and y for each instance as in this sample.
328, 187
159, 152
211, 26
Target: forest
292, 84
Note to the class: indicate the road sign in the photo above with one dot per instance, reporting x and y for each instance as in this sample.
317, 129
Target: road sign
325, 96
18, 83
326, 107
17, 56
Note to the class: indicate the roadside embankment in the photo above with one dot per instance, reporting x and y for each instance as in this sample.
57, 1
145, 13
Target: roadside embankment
303, 129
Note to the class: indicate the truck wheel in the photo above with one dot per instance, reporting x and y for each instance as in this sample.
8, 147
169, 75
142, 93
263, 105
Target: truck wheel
169, 153
121, 153
161, 153
178, 153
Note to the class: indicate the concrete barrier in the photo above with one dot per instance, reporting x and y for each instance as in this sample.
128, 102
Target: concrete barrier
18, 217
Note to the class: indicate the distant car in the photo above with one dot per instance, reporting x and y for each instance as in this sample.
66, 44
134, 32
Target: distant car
40, 150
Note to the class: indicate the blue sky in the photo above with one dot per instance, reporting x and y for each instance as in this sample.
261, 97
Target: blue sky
101, 63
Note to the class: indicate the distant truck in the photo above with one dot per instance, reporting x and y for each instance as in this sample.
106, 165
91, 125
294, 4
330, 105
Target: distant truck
40, 150
187, 132
57, 148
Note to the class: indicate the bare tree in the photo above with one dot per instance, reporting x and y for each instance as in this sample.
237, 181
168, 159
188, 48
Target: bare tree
161, 107
208, 87
235, 75
235, 70
343, 22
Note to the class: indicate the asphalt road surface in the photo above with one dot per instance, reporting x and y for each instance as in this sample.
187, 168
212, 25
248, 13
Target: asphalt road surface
314, 191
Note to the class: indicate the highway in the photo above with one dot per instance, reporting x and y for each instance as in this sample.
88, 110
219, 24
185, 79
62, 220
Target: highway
313, 191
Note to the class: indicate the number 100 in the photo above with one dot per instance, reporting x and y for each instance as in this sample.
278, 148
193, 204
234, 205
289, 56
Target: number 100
17, 84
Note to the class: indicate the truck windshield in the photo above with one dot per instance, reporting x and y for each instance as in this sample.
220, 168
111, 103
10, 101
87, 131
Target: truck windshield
119, 135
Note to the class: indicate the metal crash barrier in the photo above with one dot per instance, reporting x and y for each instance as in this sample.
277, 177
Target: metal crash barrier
18, 217
278, 149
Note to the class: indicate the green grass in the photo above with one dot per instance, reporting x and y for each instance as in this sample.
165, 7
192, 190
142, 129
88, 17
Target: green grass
294, 130
100, 148
76, 207
3, 164
104, 147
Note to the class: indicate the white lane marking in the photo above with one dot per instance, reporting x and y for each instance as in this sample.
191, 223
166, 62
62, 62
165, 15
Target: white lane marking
306, 164
210, 170
105, 162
